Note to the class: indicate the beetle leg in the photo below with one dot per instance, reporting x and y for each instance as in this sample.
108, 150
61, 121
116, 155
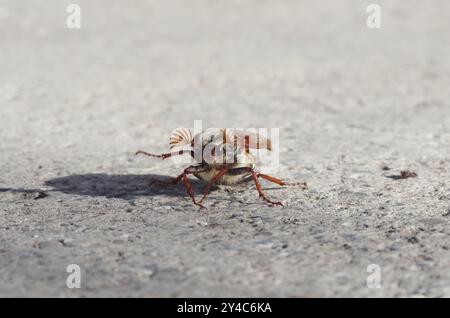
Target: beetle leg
281, 182
261, 194
166, 155
212, 181
187, 183
189, 190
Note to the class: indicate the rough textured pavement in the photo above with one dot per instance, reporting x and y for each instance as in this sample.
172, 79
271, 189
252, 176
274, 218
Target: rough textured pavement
355, 106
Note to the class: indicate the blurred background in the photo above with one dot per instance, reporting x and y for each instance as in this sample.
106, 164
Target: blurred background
133, 72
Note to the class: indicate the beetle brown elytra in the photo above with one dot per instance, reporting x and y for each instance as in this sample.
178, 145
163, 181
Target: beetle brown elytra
225, 159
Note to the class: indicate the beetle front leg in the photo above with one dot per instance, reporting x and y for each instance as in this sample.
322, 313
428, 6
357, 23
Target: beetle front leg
190, 190
260, 192
187, 184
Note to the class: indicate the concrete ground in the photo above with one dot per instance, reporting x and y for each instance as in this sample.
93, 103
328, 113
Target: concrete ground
355, 106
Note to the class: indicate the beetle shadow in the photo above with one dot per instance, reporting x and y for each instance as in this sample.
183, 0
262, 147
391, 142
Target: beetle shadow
127, 187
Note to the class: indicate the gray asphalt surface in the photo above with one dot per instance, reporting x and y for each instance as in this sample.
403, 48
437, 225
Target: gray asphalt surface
355, 106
